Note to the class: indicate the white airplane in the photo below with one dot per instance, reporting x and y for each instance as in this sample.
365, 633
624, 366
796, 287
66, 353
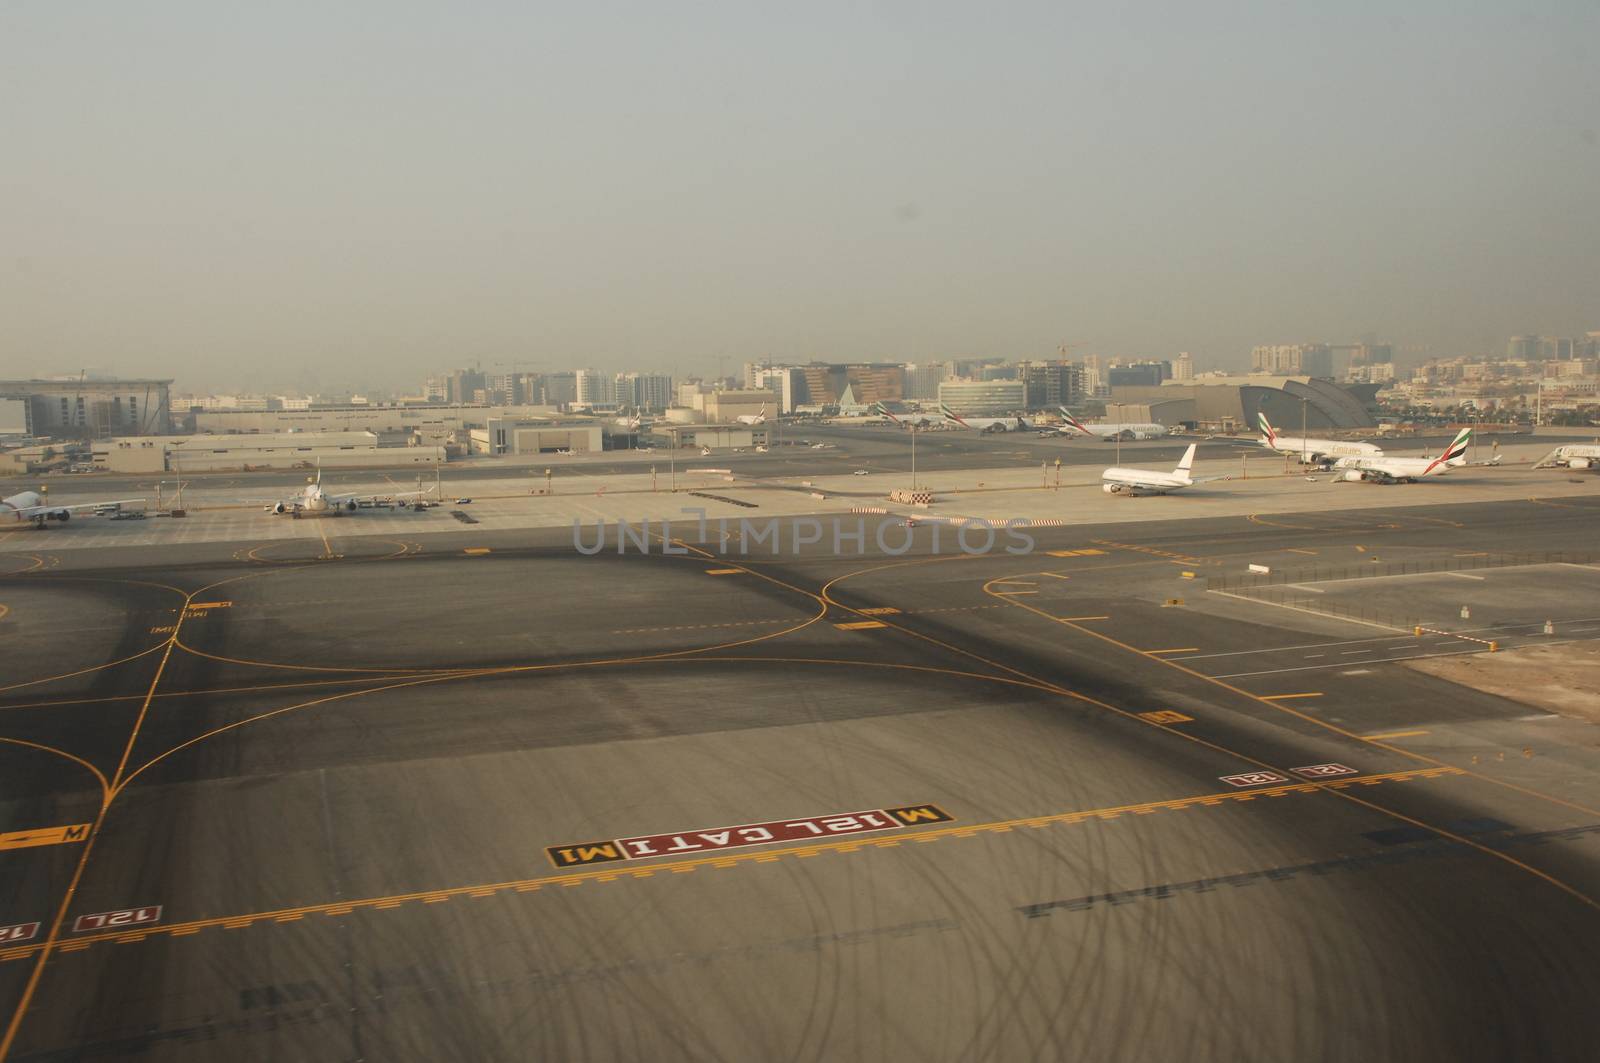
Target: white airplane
983, 424
1391, 470
1119, 481
753, 418
1572, 456
1109, 432
313, 499
1313, 451
31, 505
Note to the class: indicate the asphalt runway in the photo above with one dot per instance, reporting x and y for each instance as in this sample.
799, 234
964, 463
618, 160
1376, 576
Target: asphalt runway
474, 796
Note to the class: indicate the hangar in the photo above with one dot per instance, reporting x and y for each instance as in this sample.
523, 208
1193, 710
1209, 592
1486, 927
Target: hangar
1230, 403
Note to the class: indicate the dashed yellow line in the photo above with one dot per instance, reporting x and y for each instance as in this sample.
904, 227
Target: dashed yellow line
696, 627
729, 859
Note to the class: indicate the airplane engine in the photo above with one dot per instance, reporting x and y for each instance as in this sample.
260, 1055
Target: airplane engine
278, 507
62, 515
1109, 489
1578, 463
350, 505
1352, 476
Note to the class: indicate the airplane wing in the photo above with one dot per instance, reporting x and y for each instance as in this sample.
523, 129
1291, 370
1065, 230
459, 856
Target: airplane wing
97, 507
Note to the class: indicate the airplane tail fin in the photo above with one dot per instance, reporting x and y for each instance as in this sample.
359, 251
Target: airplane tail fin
1188, 460
1454, 454
945, 409
1073, 421
883, 411
1266, 428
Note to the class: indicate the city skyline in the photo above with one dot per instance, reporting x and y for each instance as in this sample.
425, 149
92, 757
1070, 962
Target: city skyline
284, 200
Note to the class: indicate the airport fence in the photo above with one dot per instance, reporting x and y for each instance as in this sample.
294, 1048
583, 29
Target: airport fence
1287, 587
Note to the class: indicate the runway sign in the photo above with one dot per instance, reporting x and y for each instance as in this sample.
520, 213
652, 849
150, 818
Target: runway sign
1254, 778
117, 920
715, 838
12, 935
1323, 771
27, 839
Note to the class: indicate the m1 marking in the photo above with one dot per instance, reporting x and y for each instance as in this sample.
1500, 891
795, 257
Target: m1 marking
1254, 778
1165, 716
27, 839
115, 920
783, 830
12, 935
1323, 771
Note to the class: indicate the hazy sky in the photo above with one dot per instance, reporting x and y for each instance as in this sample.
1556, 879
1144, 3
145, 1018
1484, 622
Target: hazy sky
352, 193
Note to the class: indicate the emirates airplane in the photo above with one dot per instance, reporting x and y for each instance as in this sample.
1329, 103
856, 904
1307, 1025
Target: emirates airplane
1313, 451
31, 505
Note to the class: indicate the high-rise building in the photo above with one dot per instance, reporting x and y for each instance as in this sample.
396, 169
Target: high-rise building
595, 388
1523, 348
1051, 384
782, 381
1138, 374
80, 407
984, 398
561, 388
644, 391
923, 380
1293, 359
1183, 366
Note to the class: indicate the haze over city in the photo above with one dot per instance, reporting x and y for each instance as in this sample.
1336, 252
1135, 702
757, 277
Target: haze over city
298, 196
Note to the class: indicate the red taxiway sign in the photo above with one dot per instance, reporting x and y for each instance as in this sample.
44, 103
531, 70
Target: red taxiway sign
117, 920
688, 843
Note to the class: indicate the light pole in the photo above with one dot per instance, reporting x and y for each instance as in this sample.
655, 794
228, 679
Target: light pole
913, 457
1058, 474
1304, 442
674, 459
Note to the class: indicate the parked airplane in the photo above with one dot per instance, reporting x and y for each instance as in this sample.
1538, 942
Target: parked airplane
1571, 456
313, 499
1119, 481
31, 505
983, 424
1313, 451
1392, 470
1109, 432
753, 418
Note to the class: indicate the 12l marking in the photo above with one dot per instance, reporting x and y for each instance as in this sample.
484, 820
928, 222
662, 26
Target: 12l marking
12, 935
784, 830
1254, 778
114, 920
1323, 771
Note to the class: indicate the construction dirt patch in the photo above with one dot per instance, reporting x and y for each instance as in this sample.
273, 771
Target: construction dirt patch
1562, 679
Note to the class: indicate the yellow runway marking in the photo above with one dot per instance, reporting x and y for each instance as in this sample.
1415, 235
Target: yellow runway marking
724, 571
1289, 697
860, 625
475, 551
765, 856
883, 610
1495, 854
1297, 550
1075, 618
1393, 734
1177, 649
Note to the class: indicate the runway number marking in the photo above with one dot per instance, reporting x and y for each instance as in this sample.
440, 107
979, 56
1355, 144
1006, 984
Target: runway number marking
11, 935
121, 918
27, 839
1254, 778
1165, 716
1323, 771
783, 830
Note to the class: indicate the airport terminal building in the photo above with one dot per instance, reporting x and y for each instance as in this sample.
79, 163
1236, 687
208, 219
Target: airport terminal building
1230, 403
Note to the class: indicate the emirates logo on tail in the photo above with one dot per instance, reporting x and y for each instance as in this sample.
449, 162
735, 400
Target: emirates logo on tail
1266, 428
